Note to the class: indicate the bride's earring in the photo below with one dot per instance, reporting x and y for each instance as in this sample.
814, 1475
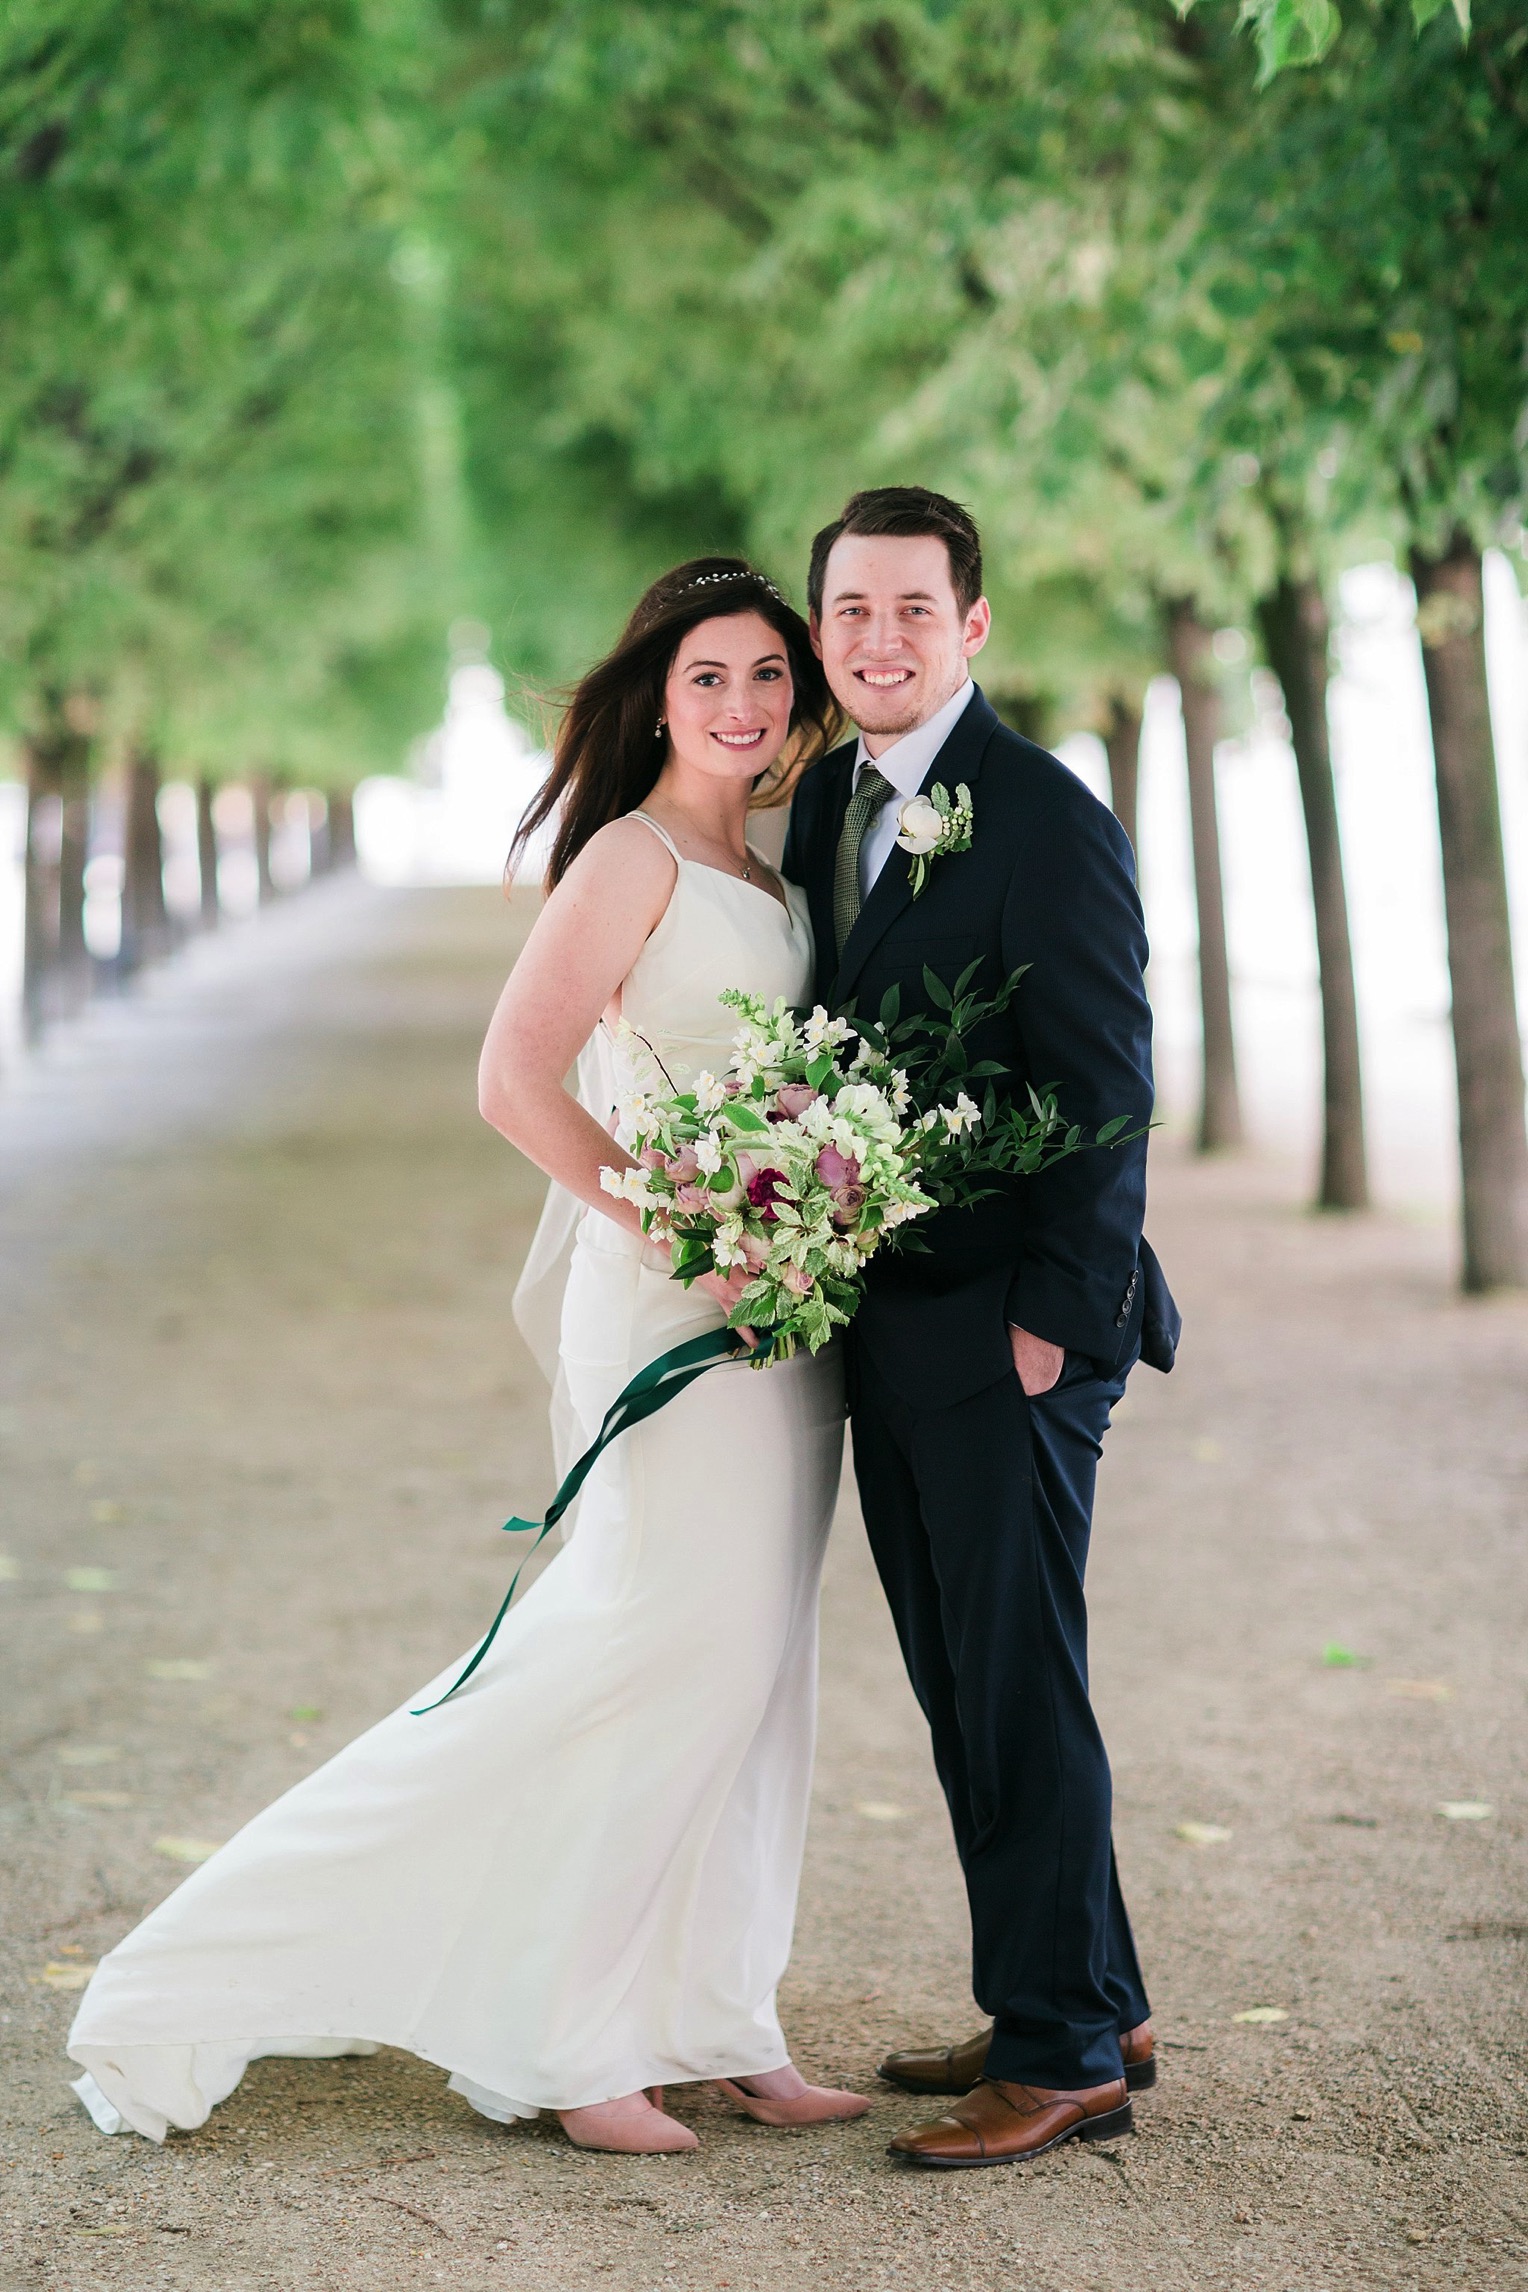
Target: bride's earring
659, 727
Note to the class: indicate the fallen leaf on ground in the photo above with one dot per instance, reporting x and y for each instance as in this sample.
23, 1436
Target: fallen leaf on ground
1466, 1810
305, 1711
90, 1579
186, 1849
1357, 1822
1336, 1657
98, 1798
1262, 2014
177, 1667
56, 1975
1422, 1690
88, 1754
1202, 1833
879, 1810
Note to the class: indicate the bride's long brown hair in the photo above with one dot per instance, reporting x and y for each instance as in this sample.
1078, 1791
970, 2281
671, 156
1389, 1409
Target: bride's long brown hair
609, 751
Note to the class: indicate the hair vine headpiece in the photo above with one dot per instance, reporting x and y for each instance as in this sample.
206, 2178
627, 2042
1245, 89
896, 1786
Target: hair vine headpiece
705, 581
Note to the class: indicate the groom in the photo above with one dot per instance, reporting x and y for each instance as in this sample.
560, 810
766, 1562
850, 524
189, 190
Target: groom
982, 1374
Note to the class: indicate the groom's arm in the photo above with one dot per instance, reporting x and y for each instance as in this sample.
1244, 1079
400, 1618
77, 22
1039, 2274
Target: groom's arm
1084, 1025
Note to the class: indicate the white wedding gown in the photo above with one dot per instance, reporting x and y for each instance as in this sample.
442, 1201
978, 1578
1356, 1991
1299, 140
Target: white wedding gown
578, 1877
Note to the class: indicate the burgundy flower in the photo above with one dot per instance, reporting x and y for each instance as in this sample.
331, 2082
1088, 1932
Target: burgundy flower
763, 1186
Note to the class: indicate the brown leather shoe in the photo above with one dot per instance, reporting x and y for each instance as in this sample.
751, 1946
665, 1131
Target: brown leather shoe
1002, 2124
958, 2067
955, 2070
1138, 2051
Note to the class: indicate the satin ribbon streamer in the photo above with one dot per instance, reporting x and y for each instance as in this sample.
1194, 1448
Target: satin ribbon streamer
650, 1389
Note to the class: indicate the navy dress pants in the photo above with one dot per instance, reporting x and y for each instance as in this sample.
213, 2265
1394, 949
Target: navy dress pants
978, 1517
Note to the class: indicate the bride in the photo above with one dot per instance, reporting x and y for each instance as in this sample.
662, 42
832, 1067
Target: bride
574, 1882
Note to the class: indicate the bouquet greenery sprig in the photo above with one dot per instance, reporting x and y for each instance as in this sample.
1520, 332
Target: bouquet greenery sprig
994, 1136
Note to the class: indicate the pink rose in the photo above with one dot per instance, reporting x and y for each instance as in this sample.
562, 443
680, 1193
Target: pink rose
796, 1279
684, 1168
793, 1099
691, 1198
848, 1202
835, 1169
653, 1158
755, 1250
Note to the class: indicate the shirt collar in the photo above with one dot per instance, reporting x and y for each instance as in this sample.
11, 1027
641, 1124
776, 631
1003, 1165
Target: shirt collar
906, 762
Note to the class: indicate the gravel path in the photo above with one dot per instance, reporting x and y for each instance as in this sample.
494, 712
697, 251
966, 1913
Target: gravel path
261, 1411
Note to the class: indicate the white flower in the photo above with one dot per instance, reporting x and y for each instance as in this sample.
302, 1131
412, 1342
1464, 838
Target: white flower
628, 1186
709, 1155
919, 826
709, 1094
963, 1115
633, 1108
823, 1033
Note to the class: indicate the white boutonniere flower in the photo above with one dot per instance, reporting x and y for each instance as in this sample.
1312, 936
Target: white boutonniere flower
932, 825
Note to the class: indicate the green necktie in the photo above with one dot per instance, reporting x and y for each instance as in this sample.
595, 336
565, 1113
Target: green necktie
866, 801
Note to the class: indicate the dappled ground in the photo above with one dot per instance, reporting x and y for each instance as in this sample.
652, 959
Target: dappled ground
263, 1410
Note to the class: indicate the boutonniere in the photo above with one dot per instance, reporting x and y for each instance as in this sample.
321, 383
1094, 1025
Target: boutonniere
932, 825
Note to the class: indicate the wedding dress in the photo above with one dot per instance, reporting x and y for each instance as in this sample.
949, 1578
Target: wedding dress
578, 1876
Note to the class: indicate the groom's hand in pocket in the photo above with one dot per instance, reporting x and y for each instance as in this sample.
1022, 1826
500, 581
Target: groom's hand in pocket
1037, 1362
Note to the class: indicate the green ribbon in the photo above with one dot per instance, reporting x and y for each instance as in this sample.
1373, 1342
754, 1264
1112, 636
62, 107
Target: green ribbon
650, 1389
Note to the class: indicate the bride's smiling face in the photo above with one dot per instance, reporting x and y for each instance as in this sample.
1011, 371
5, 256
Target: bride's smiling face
728, 698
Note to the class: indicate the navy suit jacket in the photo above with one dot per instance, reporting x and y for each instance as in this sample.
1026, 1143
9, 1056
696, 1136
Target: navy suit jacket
1049, 881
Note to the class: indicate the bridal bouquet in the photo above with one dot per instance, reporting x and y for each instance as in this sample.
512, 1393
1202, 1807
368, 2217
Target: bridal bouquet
792, 1165
822, 1142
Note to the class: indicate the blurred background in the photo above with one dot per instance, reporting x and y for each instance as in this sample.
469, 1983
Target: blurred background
360, 361
364, 358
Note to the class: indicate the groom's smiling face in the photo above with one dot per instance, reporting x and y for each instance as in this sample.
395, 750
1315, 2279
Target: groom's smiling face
893, 639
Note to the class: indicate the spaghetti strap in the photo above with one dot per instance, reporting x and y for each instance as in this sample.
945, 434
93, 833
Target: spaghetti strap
662, 835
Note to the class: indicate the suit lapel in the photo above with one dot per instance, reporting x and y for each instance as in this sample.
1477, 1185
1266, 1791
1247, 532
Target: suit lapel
891, 893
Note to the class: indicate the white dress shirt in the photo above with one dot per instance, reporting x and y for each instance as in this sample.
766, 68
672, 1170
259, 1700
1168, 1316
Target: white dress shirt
906, 765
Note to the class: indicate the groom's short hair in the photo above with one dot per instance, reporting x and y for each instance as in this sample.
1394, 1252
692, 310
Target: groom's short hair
905, 512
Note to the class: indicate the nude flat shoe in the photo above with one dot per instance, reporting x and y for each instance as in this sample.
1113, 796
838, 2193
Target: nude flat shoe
623, 2130
818, 2105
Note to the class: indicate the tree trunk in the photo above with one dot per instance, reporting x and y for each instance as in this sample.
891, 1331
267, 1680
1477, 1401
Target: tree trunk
1488, 1052
1028, 714
1122, 745
341, 829
1296, 633
1189, 643
40, 876
145, 924
207, 854
260, 799
56, 963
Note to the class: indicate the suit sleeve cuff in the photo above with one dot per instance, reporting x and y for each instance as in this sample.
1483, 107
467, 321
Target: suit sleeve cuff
1048, 1305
